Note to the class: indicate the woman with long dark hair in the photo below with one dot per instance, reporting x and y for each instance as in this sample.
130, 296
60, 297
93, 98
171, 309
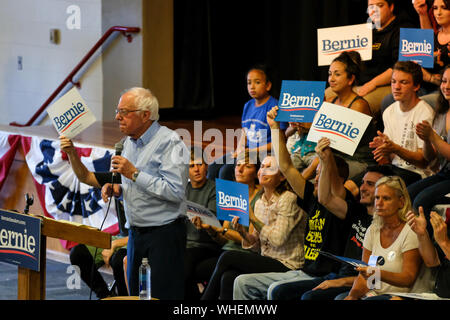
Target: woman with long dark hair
343, 76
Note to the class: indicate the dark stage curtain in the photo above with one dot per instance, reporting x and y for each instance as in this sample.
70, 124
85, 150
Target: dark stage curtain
216, 42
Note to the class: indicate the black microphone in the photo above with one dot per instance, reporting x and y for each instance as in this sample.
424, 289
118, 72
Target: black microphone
29, 202
119, 147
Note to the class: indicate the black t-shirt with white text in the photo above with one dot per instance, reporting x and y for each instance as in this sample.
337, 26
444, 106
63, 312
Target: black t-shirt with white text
324, 231
360, 221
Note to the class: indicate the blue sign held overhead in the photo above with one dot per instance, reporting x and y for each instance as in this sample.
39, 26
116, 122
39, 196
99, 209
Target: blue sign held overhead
232, 200
417, 45
300, 100
20, 237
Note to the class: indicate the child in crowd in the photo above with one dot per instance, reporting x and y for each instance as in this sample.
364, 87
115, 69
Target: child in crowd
256, 132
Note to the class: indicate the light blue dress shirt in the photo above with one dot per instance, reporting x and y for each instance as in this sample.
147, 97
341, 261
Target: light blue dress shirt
158, 195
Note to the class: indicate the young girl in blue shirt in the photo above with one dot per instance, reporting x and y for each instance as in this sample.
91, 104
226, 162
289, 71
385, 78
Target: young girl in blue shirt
256, 132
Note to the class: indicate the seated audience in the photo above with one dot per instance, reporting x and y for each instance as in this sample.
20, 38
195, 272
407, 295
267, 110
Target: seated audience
278, 233
377, 72
389, 237
435, 135
226, 237
434, 254
199, 244
399, 144
324, 230
329, 286
440, 10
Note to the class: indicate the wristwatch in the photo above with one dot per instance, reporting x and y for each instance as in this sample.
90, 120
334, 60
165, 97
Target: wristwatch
225, 230
135, 175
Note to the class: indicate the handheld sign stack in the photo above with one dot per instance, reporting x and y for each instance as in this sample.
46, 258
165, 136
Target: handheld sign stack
70, 115
417, 45
196, 210
300, 100
232, 200
343, 126
331, 42
349, 261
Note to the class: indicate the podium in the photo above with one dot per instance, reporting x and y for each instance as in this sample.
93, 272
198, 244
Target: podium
30, 283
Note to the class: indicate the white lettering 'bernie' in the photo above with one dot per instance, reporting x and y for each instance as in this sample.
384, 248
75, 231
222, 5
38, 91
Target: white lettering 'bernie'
16, 240
228, 201
345, 44
64, 119
416, 47
300, 101
337, 126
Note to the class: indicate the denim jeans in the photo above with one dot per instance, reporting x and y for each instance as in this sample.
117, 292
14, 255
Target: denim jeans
259, 286
430, 191
302, 289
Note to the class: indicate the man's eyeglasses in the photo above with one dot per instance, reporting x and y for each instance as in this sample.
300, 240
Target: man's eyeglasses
124, 112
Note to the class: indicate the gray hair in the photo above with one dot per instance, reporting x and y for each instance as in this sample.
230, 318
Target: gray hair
145, 100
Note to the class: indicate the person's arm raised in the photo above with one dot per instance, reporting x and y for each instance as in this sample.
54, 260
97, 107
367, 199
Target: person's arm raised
422, 10
293, 176
80, 170
334, 203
